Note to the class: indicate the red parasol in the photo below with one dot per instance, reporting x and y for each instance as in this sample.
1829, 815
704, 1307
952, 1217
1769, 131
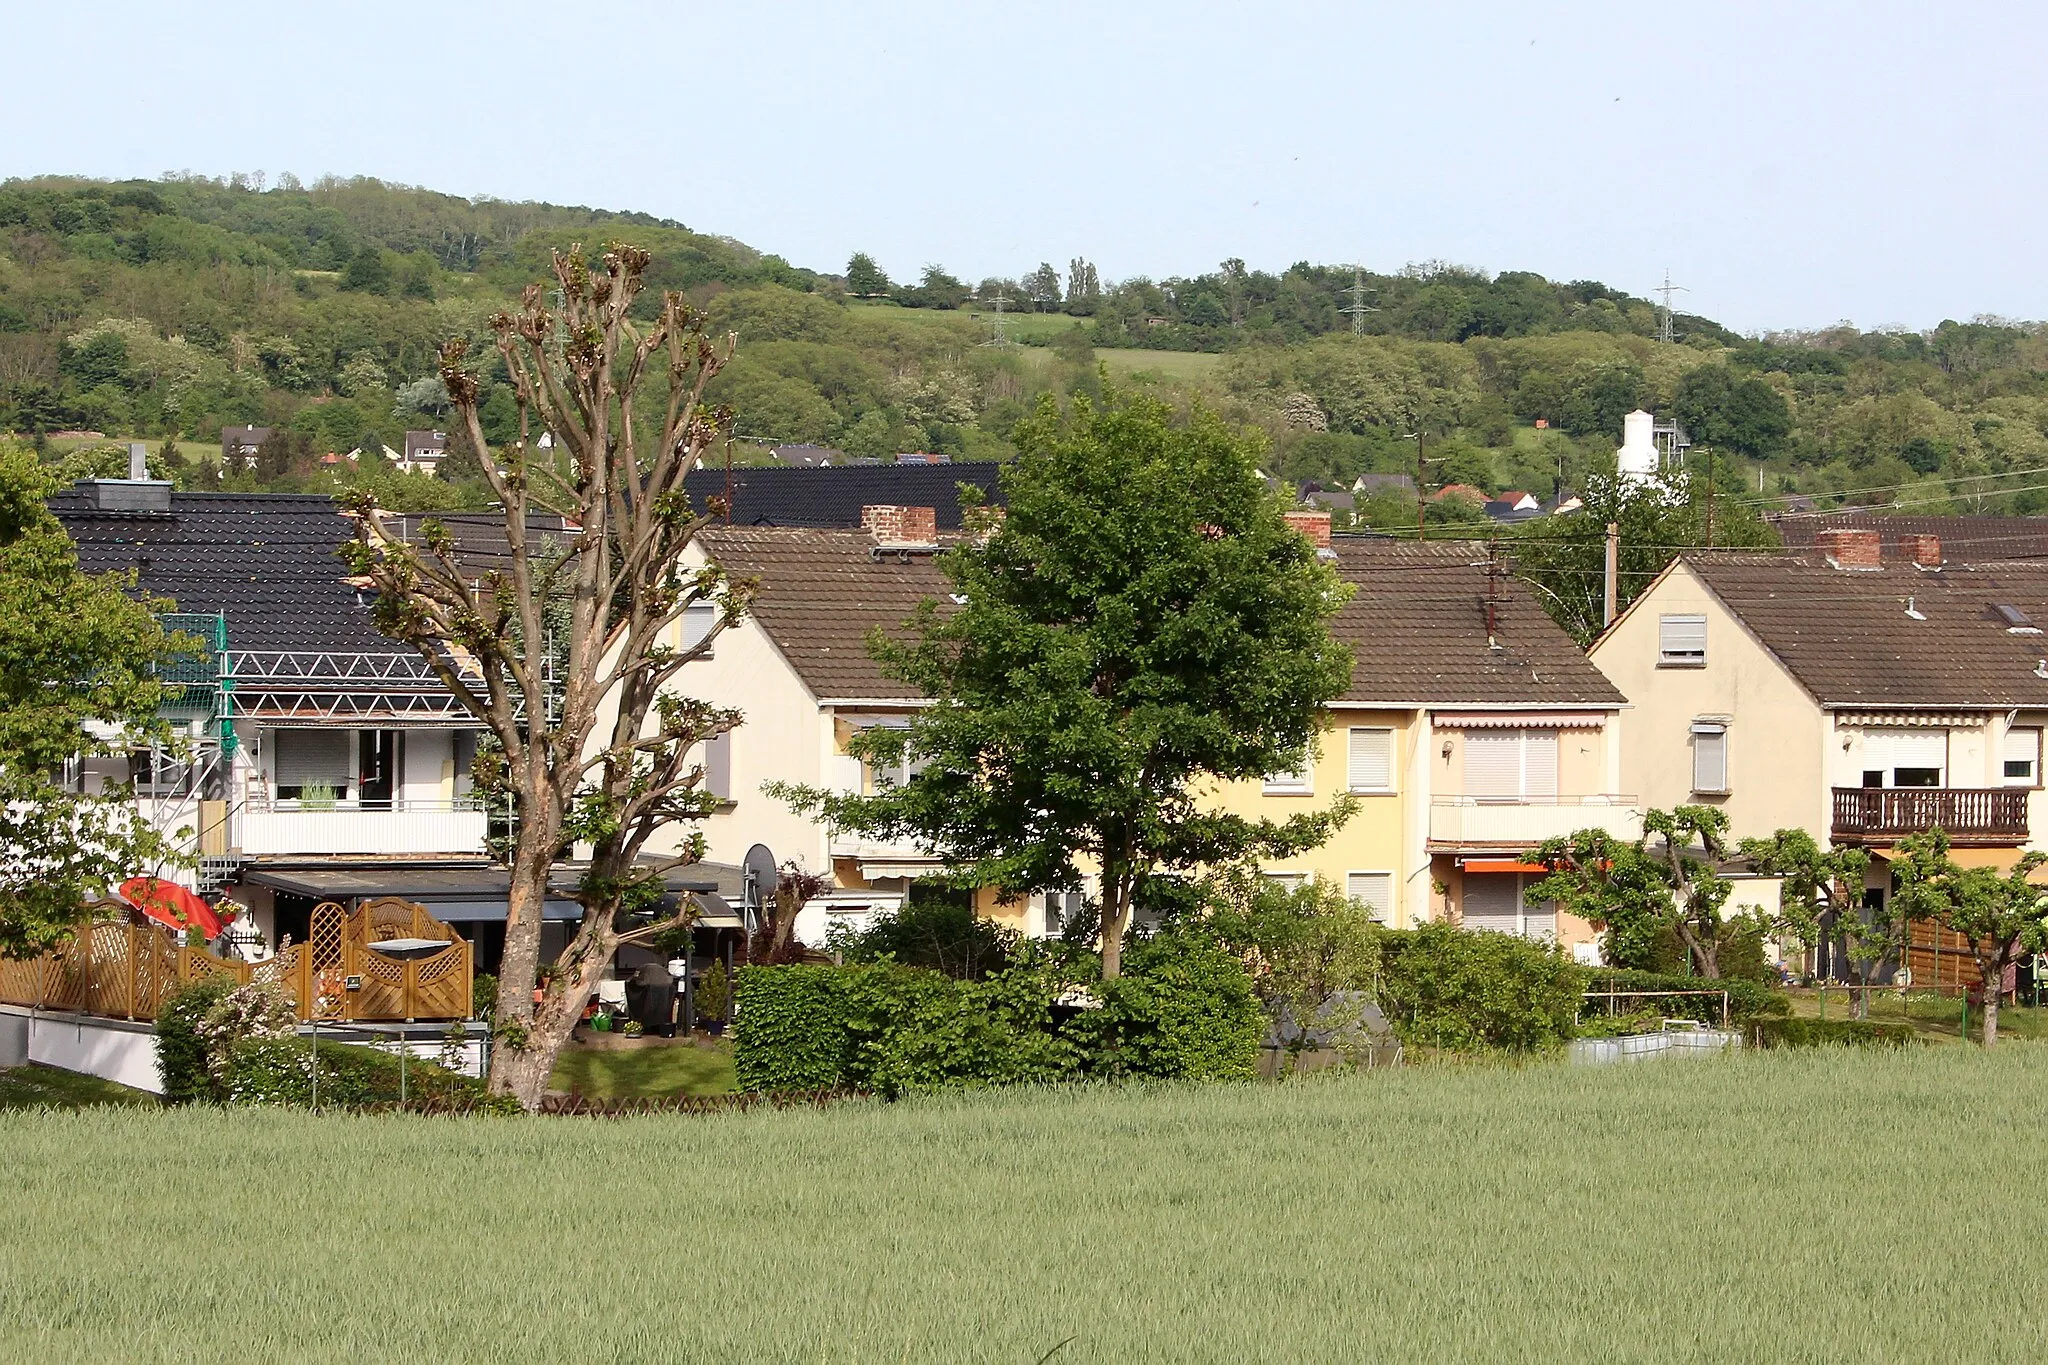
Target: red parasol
171, 904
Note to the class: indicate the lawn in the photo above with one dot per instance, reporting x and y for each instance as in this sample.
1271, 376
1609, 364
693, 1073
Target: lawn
1871, 1205
657, 1070
34, 1087
1183, 367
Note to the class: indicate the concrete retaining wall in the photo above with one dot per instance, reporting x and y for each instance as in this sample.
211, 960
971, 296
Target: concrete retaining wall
112, 1049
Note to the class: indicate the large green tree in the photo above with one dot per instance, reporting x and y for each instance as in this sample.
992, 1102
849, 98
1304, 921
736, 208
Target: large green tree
2003, 918
864, 277
1665, 881
78, 660
1821, 896
1141, 626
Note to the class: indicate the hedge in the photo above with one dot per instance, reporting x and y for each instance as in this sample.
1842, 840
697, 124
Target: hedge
280, 1071
180, 1051
1746, 999
1450, 988
1782, 1032
1183, 1009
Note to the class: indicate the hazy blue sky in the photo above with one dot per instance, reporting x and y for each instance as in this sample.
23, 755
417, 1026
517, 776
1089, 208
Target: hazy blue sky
1794, 164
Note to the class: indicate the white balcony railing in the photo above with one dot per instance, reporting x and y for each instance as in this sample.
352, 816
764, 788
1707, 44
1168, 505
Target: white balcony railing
1497, 823
345, 827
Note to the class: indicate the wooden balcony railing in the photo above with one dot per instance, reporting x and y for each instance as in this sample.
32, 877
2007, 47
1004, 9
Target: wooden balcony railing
1968, 815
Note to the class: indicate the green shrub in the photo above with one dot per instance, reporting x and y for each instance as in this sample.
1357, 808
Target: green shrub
1787, 1032
280, 1071
181, 1049
891, 1029
1451, 988
1746, 999
938, 932
713, 1000
1184, 1008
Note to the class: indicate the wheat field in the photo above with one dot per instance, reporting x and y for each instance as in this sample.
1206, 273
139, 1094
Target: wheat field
1811, 1206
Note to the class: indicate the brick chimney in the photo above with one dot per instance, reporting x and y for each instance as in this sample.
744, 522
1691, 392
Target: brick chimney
1925, 549
891, 525
1851, 549
1314, 525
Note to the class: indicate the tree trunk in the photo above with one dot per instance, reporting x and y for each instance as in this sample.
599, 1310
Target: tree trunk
1116, 919
1992, 974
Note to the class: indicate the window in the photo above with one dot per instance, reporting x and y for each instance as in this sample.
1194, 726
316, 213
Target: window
1374, 891
1295, 781
1681, 642
1511, 765
1288, 881
1494, 902
1709, 756
718, 766
2022, 758
1371, 760
698, 619
1905, 758
310, 758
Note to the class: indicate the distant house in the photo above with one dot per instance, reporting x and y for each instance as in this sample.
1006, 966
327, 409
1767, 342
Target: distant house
1326, 497
423, 453
1461, 490
241, 443
803, 456
1513, 505
1371, 485
831, 497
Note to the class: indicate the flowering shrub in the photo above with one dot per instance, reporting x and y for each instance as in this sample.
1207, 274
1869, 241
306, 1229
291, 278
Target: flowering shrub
259, 1010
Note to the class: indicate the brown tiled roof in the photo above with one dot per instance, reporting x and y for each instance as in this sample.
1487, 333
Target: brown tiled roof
1846, 638
1416, 625
821, 593
1963, 539
1417, 622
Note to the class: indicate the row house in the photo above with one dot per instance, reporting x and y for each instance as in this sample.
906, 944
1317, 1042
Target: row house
1856, 694
1473, 729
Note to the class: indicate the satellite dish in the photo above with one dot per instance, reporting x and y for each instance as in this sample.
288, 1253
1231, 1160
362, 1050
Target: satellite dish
757, 883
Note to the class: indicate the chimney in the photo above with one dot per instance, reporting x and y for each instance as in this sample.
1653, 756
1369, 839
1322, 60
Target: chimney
1314, 525
1925, 549
891, 525
138, 461
1848, 548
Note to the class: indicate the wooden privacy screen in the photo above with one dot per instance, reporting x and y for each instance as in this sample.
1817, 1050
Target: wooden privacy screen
121, 970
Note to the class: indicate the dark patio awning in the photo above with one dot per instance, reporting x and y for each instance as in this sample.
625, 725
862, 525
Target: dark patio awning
468, 893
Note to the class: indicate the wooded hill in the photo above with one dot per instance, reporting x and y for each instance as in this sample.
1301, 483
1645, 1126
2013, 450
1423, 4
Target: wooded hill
179, 306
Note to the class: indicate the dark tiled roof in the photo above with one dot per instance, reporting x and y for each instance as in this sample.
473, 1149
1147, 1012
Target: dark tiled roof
1417, 622
266, 561
1963, 539
822, 592
1417, 627
1845, 637
831, 498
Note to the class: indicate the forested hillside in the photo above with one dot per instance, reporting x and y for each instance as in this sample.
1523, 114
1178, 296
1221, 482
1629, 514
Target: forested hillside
172, 308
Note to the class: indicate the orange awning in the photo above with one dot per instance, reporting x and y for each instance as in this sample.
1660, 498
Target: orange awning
1502, 865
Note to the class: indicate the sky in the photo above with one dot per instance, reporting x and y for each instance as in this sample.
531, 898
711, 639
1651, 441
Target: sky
1791, 165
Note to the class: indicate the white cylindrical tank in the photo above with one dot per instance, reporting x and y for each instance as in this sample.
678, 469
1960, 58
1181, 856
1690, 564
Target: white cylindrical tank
1637, 458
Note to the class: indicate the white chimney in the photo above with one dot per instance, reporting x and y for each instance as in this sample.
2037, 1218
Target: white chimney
138, 461
1637, 458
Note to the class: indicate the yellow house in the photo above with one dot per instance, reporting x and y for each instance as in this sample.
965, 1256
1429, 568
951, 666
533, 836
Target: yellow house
1857, 698
1473, 730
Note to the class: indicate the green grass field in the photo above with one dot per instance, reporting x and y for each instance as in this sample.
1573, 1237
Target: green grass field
645, 1071
1184, 367
35, 1087
1868, 1206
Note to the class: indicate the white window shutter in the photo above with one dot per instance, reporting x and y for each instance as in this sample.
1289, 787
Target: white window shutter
1493, 764
1709, 759
1682, 639
1493, 900
698, 619
310, 758
1374, 891
1294, 780
718, 766
1371, 760
1539, 765
2022, 758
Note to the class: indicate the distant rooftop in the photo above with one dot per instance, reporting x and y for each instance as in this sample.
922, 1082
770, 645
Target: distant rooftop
830, 498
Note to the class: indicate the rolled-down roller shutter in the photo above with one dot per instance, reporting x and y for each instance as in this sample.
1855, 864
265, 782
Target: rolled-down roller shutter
312, 758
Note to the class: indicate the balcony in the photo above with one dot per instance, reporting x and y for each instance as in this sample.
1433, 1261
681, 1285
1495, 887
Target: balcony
349, 827
1968, 815
1487, 823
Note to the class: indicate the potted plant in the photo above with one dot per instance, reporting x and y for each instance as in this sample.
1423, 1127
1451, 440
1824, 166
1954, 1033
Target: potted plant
714, 997
633, 1029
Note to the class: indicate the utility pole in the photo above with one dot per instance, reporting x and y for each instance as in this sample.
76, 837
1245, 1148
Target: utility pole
1613, 573
1421, 491
1710, 499
1358, 307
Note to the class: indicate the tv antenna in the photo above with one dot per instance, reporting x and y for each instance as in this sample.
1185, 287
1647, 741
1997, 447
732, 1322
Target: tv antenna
1358, 307
1667, 289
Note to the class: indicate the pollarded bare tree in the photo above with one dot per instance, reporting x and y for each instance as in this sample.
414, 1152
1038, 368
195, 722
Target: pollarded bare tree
597, 754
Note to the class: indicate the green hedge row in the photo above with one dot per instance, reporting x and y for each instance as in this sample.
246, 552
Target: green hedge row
1182, 1009
1779, 1032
